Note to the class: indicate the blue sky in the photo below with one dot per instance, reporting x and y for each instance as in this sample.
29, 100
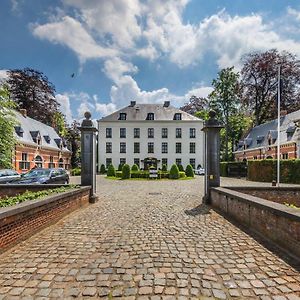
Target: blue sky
143, 50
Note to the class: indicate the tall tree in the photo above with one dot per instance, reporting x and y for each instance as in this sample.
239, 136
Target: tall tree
225, 100
60, 124
259, 83
7, 123
73, 140
31, 90
195, 105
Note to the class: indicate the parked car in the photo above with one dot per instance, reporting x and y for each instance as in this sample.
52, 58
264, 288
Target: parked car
7, 175
44, 176
199, 171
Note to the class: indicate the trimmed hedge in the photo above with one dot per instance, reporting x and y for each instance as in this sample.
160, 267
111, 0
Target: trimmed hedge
180, 168
223, 169
111, 172
102, 169
181, 174
120, 167
233, 169
266, 170
140, 174
126, 171
174, 172
189, 172
135, 168
119, 174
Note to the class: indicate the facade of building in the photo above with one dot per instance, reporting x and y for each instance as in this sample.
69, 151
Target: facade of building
38, 145
261, 142
150, 134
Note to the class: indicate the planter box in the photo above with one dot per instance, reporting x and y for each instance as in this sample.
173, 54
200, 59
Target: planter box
20, 221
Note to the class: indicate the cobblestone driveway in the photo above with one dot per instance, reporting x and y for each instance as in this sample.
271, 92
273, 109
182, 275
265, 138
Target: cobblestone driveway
145, 240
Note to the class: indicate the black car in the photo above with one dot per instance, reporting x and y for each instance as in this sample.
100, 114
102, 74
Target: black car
44, 176
8, 175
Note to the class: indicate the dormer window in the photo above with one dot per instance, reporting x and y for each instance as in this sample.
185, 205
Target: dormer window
150, 116
177, 116
19, 131
290, 132
122, 116
259, 139
47, 139
36, 137
59, 143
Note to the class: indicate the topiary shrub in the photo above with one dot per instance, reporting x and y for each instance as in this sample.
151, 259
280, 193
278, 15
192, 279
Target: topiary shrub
174, 172
119, 174
102, 169
181, 174
126, 171
120, 167
164, 168
180, 168
189, 172
111, 172
135, 168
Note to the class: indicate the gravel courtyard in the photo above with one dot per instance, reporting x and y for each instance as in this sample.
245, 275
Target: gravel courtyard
146, 240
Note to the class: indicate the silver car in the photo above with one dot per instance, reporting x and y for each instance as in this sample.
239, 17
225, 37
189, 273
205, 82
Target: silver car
7, 175
199, 171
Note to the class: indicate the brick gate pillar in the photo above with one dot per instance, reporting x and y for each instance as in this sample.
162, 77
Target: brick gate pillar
88, 155
212, 154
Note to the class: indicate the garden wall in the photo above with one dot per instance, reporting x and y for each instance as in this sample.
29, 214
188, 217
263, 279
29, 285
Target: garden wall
274, 221
24, 219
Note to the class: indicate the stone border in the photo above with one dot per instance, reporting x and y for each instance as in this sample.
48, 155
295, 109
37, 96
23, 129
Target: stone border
274, 221
20, 221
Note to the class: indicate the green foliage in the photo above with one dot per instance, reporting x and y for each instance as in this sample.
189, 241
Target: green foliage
164, 168
10, 201
189, 172
76, 172
7, 123
291, 205
135, 168
120, 167
180, 168
181, 175
102, 169
140, 174
233, 168
73, 140
174, 172
223, 169
59, 124
119, 174
202, 114
125, 171
266, 170
111, 172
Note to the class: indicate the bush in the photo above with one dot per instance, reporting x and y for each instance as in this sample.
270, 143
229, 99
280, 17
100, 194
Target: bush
119, 174
126, 171
140, 174
111, 172
135, 168
164, 168
233, 169
181, 174
163, 174
120, 167
174, 172
102, 169
189, 172
223, 169
76, 172
180, 168
266, 170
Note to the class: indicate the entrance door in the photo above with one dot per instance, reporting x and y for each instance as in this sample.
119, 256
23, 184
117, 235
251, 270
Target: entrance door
150, 162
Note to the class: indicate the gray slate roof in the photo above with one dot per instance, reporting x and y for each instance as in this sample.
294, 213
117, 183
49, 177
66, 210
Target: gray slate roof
288, 132
32, 128
139, 112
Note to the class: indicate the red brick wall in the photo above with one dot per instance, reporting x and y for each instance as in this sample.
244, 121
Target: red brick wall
23, 220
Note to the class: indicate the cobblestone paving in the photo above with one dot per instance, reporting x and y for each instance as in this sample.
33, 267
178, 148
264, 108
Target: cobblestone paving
145, 240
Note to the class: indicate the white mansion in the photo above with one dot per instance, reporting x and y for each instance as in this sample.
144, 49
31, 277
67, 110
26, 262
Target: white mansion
150, 134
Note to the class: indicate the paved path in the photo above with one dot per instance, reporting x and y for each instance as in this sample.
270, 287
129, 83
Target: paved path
145, 240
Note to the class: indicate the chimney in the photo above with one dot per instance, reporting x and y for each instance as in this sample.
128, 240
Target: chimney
166, 103
283, 113
132, 103
23, 112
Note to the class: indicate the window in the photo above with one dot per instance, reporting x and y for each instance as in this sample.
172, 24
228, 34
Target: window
38, 161
108, 162
136, 133
136, 148
51, 164
122, 132
122, 161
178, 147
150, 132
122, 116
285, 155
108, 147
192, 133
164, 133
178, 161
24, 164
122, 147
193, 162
150, 116
192, 147
164, 161
61, 163
108, 133
136, 161
150, 147
178, 133
164, 147
177, 116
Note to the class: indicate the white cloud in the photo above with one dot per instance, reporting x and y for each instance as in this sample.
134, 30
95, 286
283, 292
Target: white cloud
70, 32
3, 76
65, 107
294, 13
